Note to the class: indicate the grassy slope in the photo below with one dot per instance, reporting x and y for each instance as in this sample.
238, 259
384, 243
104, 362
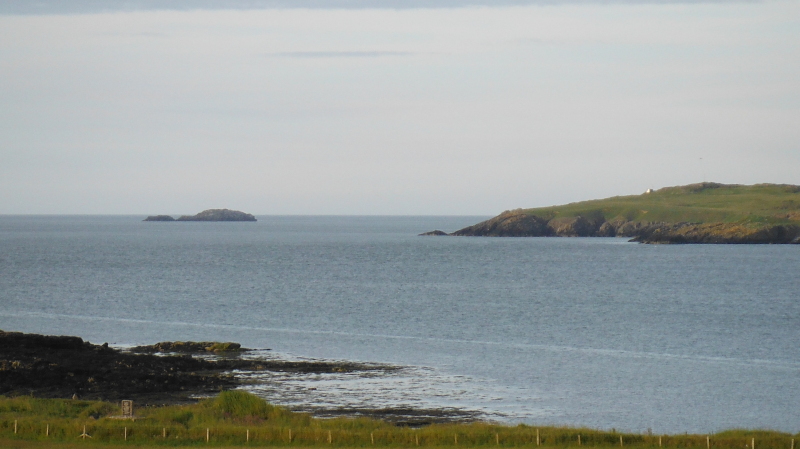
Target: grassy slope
234, 413
696, 203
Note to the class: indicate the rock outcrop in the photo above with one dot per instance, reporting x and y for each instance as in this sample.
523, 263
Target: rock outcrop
518, 224
62, 366
705, 212
718, 233
434, 233
509, 224
218, 215
159, 218
190, 347
208, 215
579, 226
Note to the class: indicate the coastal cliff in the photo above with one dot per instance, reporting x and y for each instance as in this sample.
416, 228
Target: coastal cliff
696, 213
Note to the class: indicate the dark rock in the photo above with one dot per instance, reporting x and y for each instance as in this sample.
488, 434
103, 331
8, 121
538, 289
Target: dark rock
50, 366
436, 232
607, 229
190, 347
574, 227
509, 224
60, 367
159, 218
726, 233
219, 215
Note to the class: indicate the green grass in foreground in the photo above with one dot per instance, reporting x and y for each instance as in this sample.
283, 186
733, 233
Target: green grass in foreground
759, 204
236, 419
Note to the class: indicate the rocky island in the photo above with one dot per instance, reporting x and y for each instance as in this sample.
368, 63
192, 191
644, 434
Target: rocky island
208, 215
697, 213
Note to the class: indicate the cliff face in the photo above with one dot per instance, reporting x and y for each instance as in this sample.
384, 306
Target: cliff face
509, 224
518, 224
719, 233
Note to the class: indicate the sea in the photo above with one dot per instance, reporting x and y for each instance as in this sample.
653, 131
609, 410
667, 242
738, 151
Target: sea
593, 332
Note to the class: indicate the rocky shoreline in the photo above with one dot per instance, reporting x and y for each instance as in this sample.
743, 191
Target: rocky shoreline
169, 373
519, 224
65, 367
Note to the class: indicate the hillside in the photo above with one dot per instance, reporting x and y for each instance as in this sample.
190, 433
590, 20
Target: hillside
696, 213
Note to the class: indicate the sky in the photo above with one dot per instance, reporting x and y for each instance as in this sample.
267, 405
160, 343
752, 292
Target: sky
367, 107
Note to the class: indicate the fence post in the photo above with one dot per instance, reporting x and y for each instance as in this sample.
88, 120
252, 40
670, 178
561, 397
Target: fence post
47, 432
753, 443
497, 438
708, 442
126, 433
330, 437
15, 427
537, 437
620, 441
579, 439
372, 438
248, 435
208, 434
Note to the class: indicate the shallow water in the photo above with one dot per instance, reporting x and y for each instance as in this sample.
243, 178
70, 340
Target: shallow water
592, 332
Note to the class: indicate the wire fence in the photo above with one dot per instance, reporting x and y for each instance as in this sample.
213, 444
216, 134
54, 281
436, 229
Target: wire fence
130, 431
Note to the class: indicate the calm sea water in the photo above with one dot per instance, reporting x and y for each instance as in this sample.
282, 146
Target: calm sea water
592, 332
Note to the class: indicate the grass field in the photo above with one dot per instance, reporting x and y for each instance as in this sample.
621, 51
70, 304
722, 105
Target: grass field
759, 204
237, 419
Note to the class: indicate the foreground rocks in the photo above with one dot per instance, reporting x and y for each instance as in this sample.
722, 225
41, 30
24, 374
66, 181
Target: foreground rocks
65, 367
208, 215
190, 347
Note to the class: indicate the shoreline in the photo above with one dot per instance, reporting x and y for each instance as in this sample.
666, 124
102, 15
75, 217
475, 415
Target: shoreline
64, 367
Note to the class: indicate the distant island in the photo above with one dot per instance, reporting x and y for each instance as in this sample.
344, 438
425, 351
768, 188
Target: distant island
706, 212
208, 215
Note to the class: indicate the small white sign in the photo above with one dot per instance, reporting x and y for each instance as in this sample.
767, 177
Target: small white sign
127, 408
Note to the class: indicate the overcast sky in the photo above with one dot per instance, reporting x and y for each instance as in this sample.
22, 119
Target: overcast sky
371, 107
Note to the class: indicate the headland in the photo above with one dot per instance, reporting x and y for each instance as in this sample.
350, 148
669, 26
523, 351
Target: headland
697, 213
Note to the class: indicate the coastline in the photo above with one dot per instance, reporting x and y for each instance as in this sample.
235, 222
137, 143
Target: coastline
702, 213
67, 367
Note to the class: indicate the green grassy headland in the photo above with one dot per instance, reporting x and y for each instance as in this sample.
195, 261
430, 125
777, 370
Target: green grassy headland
760, 204
236, 419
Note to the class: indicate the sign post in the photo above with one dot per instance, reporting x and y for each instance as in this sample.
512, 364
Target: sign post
127, 409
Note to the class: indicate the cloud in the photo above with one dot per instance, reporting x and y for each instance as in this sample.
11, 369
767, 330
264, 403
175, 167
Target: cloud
339, 54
